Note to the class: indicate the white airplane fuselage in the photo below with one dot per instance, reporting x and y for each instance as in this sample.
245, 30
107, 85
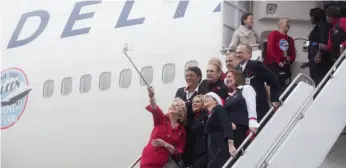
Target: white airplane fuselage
54, 40
78, 101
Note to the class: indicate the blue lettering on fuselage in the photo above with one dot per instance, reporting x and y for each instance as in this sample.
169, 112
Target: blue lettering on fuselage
123, 21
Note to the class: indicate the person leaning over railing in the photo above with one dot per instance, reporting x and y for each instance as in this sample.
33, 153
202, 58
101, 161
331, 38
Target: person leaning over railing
256, 75
219, 130
168, 136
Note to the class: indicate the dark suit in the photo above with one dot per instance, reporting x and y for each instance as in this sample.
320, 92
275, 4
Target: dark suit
219, 88
260, 74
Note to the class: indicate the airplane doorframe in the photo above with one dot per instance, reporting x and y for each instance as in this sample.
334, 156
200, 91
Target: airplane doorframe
231, 11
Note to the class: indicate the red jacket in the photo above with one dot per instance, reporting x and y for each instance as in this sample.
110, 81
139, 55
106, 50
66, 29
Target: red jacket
343, 27
277, 43
153, 157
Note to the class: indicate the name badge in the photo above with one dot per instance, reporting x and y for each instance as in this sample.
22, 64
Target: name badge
247, 81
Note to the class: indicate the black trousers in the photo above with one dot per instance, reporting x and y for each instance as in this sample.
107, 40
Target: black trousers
318, 71
217, 150
201, 161
283, 74
239, 137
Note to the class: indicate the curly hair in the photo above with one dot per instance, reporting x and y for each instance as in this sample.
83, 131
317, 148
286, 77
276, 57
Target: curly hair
183, 112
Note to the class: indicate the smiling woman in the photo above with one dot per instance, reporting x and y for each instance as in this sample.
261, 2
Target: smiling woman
193, 77
167, 140
219, 130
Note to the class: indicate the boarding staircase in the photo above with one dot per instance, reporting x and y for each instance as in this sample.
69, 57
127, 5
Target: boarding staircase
303, 136
303, 130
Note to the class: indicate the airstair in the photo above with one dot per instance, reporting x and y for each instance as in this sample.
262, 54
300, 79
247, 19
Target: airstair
304, 129
302, 132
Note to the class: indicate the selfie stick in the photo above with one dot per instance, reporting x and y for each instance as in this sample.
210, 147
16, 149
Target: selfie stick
125, 50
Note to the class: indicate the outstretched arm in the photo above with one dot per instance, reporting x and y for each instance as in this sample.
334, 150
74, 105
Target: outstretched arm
157, 113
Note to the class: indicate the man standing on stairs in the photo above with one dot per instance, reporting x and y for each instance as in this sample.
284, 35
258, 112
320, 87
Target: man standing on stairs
281, 53
256, 75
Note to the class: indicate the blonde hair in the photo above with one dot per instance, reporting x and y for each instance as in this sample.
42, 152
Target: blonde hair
183, 111
201, 97
216, 61
218, 67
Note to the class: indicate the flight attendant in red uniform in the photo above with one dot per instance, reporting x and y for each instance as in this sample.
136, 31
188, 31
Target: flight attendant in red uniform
168, 136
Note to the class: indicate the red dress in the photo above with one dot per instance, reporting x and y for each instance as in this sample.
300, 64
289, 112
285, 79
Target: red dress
153, 157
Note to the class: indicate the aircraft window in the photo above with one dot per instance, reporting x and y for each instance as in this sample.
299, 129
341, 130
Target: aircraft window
66, 86
125, 78
105, 80
147, 73
168, 73
190, 64
85, 83
48, 88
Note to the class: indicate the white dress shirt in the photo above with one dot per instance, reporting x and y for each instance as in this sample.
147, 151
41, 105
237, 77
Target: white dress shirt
189, 94
243, 66
249, 94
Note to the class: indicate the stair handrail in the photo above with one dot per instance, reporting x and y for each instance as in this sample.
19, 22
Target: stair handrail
135, 162
301, 111
271, 110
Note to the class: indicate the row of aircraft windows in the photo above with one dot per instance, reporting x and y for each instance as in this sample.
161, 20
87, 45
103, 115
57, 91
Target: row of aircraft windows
168, 76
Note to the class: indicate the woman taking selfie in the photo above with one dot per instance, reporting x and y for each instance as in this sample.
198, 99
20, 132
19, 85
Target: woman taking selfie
168, 136
219, 130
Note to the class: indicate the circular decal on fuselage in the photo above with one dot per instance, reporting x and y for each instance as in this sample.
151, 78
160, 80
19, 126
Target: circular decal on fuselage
283, 44
14, 95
